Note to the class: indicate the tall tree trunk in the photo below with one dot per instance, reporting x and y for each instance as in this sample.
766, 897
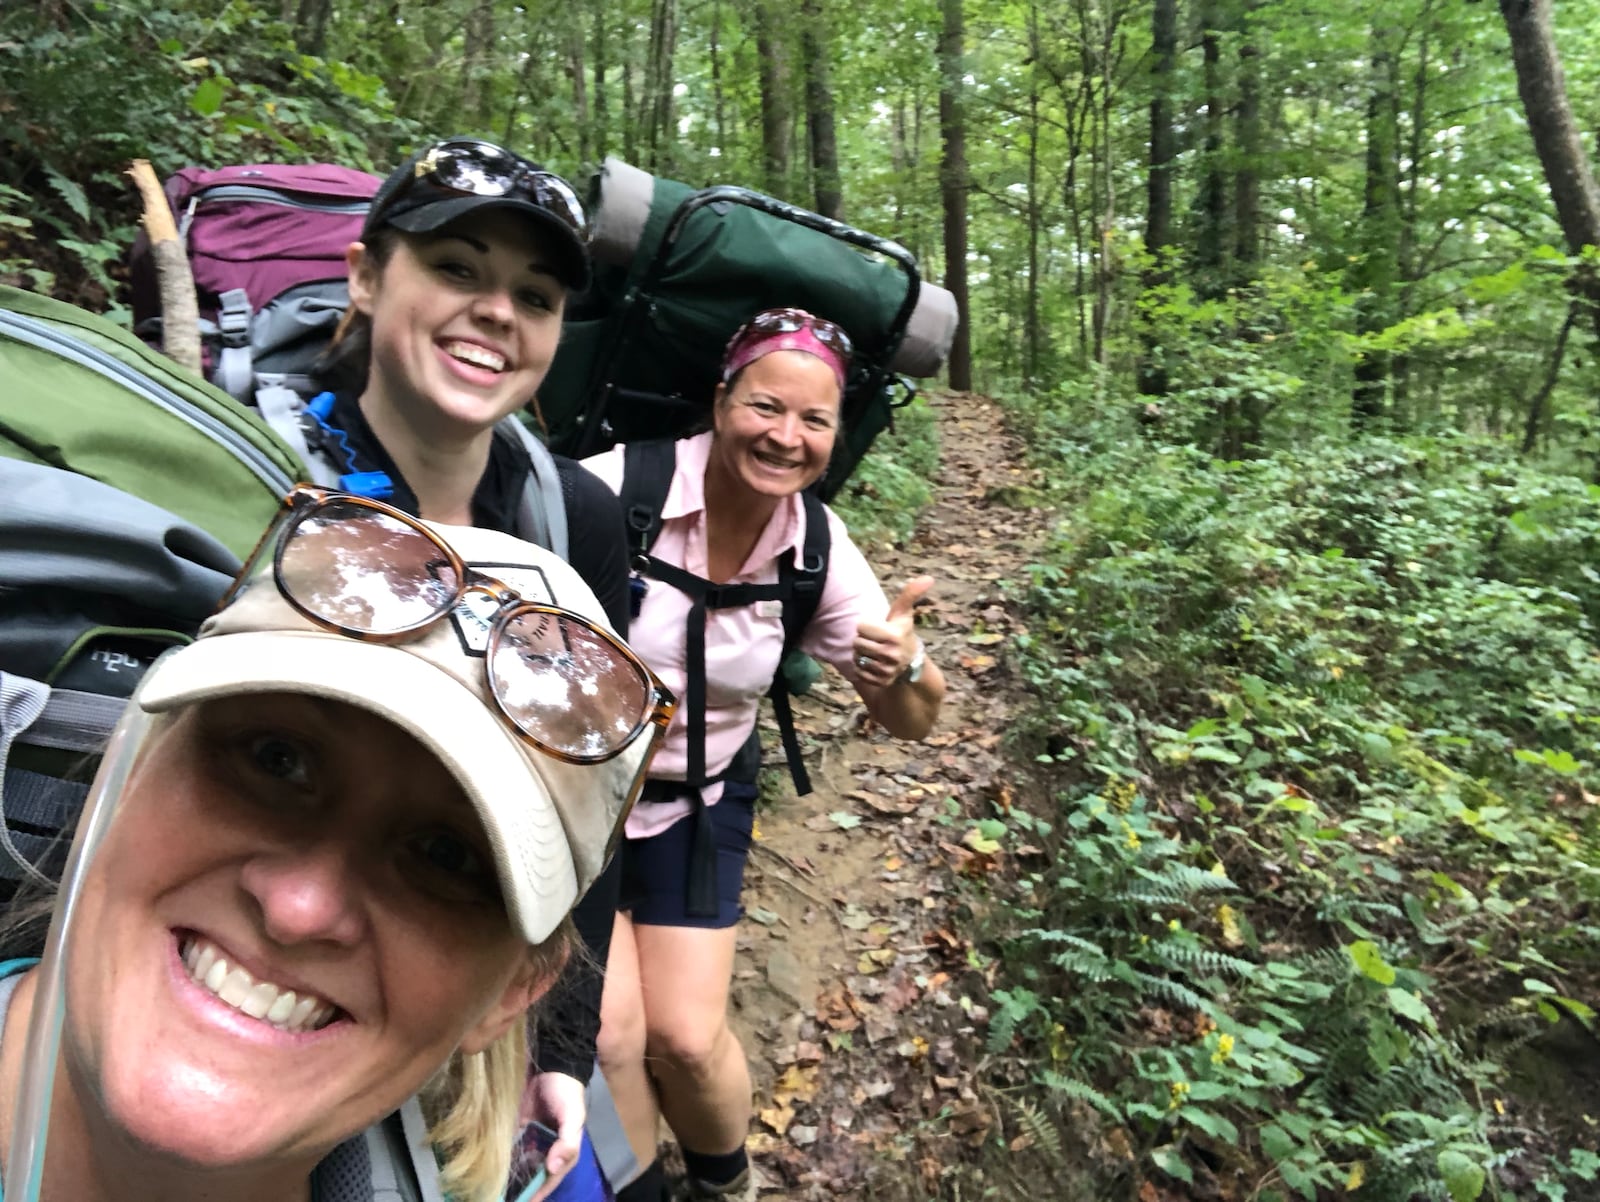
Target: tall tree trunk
578, 76
1032, 352
776, 112
719, 106
659, 83
1543, 88
828, 199
1211, 247
601, 137
1246, 177
1375, 276
953, 187
1163, 151
311, 25
477, 41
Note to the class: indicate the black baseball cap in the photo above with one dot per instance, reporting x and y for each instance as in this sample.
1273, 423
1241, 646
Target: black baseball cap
414, 199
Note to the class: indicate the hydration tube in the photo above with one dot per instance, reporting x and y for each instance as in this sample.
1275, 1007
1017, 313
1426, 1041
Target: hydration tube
24, 1167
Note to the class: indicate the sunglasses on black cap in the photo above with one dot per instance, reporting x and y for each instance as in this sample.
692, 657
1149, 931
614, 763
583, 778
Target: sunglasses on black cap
474, 168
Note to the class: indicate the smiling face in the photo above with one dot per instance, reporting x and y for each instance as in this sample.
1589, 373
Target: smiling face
776, 423
293, 923
465, 322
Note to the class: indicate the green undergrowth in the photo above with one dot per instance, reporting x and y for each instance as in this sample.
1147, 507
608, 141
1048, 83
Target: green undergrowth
1321, 862
890, 486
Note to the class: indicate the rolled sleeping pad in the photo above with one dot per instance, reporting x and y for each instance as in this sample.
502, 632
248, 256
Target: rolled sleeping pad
619, 205
620, 198
929, 333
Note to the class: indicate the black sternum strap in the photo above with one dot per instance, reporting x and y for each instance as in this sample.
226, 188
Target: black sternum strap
704, 595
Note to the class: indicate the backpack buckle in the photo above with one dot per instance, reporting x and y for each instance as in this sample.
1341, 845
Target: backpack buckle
233, 317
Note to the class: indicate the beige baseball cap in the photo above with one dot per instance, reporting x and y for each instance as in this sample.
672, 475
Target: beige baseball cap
551, 825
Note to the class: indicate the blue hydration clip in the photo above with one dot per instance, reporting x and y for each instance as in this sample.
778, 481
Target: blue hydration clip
376, 486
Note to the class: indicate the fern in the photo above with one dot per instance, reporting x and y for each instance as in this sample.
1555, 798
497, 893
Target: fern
1082, 1091
1203, 960
1041, 1129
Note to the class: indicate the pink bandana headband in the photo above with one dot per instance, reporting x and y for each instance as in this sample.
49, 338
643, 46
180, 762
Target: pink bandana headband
795, 331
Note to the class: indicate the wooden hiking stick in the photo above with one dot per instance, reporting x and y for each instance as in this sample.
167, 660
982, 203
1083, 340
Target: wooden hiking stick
180, 311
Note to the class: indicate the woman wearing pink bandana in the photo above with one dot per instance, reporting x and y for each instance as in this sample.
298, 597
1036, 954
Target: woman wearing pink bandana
733, 514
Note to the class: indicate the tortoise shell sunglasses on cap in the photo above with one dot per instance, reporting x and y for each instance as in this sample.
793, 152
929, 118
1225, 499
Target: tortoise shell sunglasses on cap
366, 570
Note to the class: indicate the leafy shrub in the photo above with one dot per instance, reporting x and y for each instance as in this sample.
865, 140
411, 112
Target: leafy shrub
1324, 854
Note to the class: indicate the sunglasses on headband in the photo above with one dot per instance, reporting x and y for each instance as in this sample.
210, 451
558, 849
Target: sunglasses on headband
475, 168
368, 571
770, 322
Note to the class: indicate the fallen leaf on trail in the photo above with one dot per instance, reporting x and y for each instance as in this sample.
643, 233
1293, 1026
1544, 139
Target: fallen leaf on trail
764, 916
760, 1144
876, 960
893, 864
947, 1082
844, 820
807, 1053
913, 1049
976, 840
803, 1136
777, 1117
856, 918
900, 994
884, 805
986, 639
1021, 1144
796, 1085
972, 1122
976, 664
968, 863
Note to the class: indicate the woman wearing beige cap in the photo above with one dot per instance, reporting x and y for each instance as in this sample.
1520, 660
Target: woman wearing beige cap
324, 871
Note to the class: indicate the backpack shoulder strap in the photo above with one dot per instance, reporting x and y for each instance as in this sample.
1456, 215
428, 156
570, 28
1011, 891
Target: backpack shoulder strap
384, 1163
542, 512
283, 409
805, 578
800, 586
647, 469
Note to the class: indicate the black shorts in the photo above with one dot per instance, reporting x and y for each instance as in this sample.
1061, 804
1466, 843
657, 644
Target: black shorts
655, 871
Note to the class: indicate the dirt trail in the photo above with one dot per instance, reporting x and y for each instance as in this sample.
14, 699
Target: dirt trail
849, 989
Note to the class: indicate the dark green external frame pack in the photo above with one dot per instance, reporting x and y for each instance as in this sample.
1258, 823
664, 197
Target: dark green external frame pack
678, 270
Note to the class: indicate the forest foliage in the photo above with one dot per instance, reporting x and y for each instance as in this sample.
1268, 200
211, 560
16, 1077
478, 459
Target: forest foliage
1306, 352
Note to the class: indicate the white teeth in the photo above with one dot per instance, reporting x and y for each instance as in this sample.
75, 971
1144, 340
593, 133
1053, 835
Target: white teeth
280, 1010
302, 1011
478, 356
236, 987
259, 999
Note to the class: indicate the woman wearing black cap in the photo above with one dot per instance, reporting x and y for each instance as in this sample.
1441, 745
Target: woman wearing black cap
457, 290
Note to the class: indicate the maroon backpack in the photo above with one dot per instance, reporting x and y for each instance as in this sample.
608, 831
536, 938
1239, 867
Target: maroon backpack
266, 243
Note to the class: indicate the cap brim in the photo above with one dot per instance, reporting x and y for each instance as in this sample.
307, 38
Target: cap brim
524, 829
573, 270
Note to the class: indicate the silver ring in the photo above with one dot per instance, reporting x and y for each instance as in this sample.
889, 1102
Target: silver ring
863, 661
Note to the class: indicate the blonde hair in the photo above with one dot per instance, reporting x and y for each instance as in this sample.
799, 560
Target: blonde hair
472, 1104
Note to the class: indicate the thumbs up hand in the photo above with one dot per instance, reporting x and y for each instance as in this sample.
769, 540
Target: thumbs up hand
883, 650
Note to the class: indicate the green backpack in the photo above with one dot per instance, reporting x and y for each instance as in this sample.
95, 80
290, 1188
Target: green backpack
82, 395
130, 491
677, 270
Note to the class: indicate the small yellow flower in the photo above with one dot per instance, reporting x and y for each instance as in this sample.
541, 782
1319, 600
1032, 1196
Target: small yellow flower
1174, 925
1224, 1049
1132, 842
1179, 1090
1229, 922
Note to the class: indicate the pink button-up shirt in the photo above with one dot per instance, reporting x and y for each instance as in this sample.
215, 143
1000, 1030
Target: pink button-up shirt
744, 643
